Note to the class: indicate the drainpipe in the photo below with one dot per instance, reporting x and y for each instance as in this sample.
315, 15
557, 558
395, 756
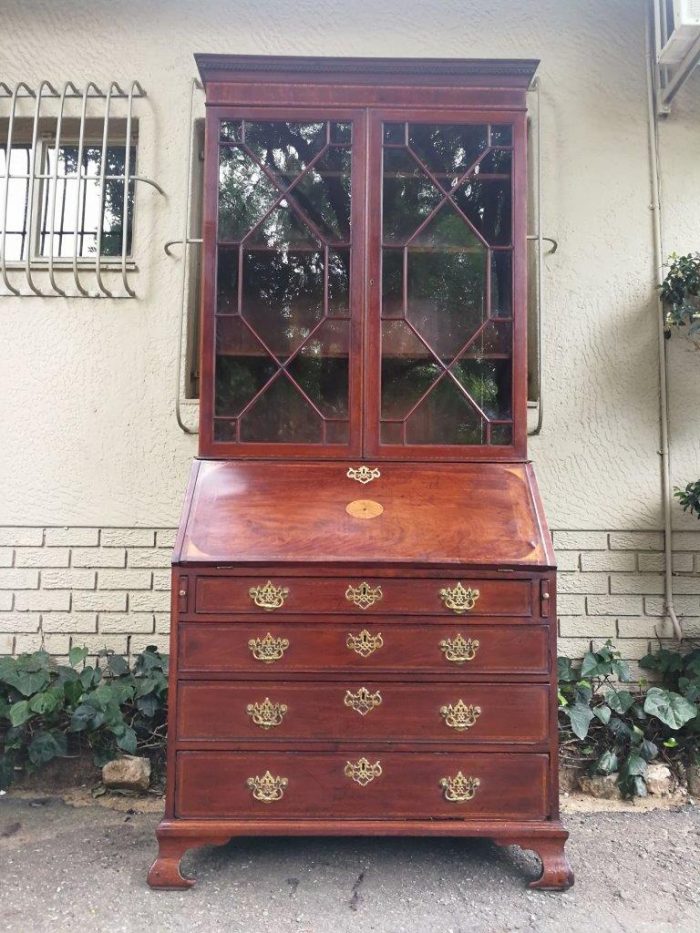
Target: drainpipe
659, 256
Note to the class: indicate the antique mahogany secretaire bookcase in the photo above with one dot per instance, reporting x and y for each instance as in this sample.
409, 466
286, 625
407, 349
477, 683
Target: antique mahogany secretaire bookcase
364, 621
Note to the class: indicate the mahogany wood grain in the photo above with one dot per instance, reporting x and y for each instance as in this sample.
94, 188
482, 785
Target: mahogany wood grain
511, 786
405, 712
459, 514
410, 648
313, 596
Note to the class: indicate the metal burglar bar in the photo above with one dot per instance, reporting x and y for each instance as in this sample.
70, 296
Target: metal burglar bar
67, 182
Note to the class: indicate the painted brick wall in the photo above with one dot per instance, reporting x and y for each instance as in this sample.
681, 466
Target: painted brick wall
110, 588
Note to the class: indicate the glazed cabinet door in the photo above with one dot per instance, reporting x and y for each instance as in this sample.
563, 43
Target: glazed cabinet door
446, 328
283, 271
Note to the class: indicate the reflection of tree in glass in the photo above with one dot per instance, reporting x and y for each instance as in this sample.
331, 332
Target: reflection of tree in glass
112, 212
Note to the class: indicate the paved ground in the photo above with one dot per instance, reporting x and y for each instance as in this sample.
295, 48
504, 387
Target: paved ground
65, 868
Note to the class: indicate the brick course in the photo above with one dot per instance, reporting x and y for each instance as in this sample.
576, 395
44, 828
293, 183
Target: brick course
110, 588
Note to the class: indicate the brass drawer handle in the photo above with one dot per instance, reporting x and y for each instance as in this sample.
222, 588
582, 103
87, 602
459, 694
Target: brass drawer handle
459, 788
267, 788
459, 649
363, 474
460, 716
362, 771
268, 649
458, 599
364, 595
267, 714
363, 701
365, 643
269, 596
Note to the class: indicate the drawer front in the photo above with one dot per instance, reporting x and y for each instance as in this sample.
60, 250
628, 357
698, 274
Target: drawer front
359, 711
453, 648
363, 595
356, 785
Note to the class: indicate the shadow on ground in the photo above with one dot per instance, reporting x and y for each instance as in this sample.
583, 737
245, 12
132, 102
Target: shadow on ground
65, 867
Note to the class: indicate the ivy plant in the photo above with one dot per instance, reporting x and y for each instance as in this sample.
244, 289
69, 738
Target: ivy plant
615, 728
679, 292
689, 497
48, 710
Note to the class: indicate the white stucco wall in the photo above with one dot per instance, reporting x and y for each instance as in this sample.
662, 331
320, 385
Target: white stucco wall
89, 435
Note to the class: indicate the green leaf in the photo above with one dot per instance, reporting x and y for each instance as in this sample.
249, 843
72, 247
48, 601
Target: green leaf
619, 729
147, 705
76, 655
580, 717
127, 741
117, 665
43, 748
634, 765
45, 702
671, 743
607, 763
20, 713
562, 699
671, 708
602, 713
620, 700
648, 750
82, 716
565, 670
28, 682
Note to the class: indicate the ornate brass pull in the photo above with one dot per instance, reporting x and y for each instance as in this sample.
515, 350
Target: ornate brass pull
269, 596
458, 599
363, 474
267, 714
459, 649
460, 716
267, 788
362, 771
363, 701
364, 595
268, 649
459, 787
365, 643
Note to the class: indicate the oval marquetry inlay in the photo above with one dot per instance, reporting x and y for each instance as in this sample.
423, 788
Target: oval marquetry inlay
364, 508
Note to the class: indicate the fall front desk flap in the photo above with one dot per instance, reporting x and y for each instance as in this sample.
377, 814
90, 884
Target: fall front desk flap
385, 513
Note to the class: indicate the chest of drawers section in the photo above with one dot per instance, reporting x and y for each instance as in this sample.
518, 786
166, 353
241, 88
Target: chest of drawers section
372, 690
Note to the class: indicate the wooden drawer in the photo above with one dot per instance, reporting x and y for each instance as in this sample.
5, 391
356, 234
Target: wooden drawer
360, 710
351, 785
362, 595
285, 647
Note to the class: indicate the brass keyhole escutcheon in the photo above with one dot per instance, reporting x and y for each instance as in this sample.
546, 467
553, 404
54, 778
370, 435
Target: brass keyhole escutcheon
364, 508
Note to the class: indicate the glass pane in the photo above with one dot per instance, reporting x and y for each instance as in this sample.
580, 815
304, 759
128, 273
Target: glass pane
337, 432
501, 434
227, 281
448, 151
447, 228
408, 369
231, 131
446, 297
501, 284
224, 430
285, 147
321, 368
392, 282
446, 272
445, 417
409, 196
488, 205
282, 297
245, 193
502, 135
283, 356
339, 282
242, 366
281, 415
487, 382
